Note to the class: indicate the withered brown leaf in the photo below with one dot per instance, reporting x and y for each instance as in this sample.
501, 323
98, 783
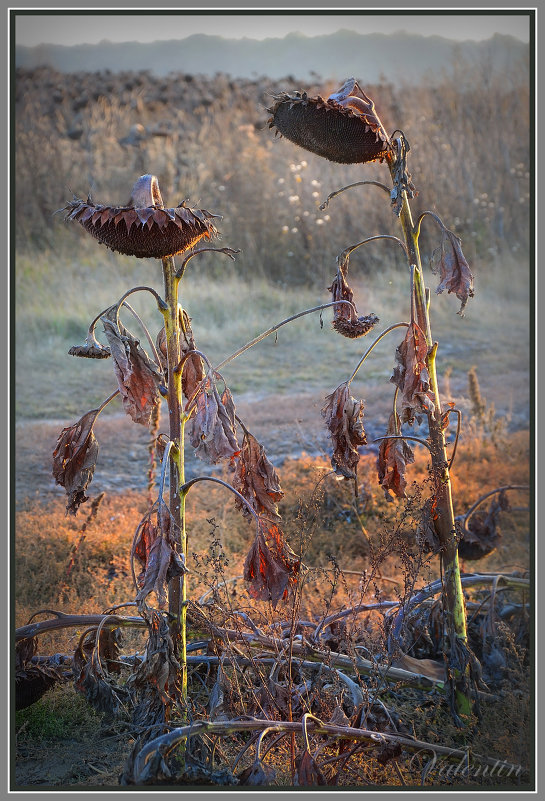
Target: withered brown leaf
393, 457
160, 562
270, 565
308, 772
258, 774
193, 368
481, 535
137, 377
74, 459
454, 270
212, 432
411, 375
256, 479
343, 415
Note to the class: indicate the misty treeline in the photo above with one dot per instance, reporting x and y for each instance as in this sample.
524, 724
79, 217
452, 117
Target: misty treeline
207, 140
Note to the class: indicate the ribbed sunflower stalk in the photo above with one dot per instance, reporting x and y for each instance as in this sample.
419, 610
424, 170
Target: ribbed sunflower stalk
177, 591
454, 605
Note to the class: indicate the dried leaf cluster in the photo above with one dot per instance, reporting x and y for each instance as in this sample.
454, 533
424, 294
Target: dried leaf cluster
137, 376
453, 269
393, 457
74, 459
343, 415
411, 375
155, 549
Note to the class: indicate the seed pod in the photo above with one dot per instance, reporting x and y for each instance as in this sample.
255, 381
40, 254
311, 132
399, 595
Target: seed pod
345, 128
144, 228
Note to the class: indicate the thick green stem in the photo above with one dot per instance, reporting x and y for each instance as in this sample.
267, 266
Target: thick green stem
177, 589
444, 521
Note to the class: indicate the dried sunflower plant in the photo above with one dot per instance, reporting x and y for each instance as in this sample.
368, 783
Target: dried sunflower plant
211, 671
346, 129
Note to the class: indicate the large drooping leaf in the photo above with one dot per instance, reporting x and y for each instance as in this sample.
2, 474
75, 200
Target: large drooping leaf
74, 459
343, 415
393, 457
270, 565
256, 479
159, 559
212, 431
308, 772
137, 377
454, 270
411, 375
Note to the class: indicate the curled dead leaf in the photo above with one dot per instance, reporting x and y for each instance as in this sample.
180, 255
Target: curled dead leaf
411, 375
481, 535
270, 565
137, 376
257, 775
159, 559
213, 426
454, 270
193, 368
393, 457
343, 415
256, 479
308, 772
74, 459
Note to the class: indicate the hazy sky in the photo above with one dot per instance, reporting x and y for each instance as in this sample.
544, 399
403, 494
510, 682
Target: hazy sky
71, 29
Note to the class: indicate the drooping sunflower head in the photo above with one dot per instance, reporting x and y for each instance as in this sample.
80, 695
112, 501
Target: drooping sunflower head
345, 128
144, 227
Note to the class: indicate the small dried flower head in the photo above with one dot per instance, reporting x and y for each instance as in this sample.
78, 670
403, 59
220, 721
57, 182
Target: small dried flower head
143, 228
92, 349
345, 128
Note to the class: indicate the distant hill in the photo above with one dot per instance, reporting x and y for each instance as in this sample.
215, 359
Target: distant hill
337, 55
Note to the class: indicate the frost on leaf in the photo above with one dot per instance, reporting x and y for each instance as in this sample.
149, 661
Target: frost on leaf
393, 457
137, 377
256, 479
343, 415
411, 375
212, 431
453, 268
159, 559
345, 318
270, 565
74, 459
